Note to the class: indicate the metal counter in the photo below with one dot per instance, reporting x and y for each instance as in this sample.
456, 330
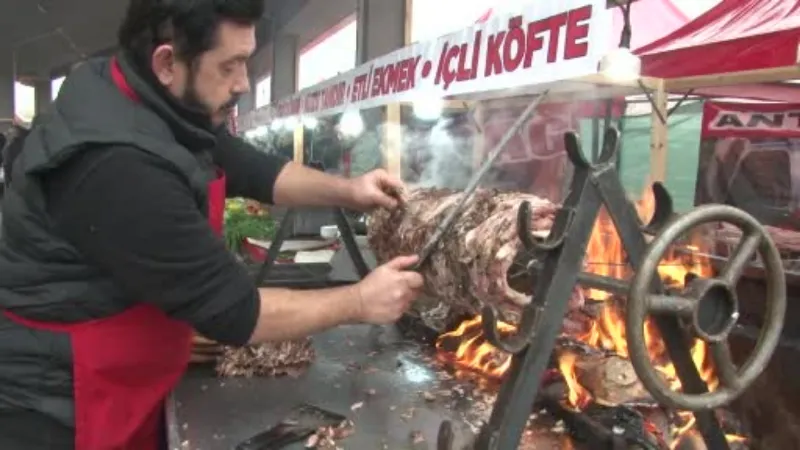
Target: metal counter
402, 390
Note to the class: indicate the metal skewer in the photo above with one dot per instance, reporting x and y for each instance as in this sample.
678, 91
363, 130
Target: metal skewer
474, 182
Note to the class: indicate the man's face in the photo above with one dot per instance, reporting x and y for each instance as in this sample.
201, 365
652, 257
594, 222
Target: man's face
218, 77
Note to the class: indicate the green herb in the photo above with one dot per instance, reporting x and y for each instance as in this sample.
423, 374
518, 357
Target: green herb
245, 221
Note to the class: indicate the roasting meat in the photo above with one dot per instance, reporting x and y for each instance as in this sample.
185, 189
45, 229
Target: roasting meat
271, 359
470, 267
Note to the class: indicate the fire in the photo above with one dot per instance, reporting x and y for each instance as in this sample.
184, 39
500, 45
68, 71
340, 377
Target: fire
473, 351
604, 256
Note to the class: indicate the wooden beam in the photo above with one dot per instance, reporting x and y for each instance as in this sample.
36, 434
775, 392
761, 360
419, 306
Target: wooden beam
393, 140
479, 138
393, 125
770, 75
408, 21
658, 137
299, 145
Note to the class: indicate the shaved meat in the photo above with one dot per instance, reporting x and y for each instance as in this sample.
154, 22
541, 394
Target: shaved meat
470, 267
271, 359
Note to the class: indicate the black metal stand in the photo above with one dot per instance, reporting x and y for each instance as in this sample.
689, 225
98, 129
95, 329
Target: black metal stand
558, 271
345, 230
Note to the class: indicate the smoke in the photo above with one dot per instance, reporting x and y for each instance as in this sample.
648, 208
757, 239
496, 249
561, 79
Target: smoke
446, 154
439, 157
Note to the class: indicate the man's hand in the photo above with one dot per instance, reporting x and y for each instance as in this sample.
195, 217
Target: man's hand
387, 292
376, 189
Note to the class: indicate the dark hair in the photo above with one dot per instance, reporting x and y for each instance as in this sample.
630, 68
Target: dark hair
190, 25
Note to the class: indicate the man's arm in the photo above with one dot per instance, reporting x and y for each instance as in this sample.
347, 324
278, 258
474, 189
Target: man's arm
131, 216
272, 179
249, 173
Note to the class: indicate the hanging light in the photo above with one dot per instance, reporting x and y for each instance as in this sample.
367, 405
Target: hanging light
620, 64
429, 110
351, 124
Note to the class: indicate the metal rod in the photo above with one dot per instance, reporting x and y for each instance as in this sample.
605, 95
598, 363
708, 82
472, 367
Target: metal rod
594, 281
275, 248
474, 182
350, 244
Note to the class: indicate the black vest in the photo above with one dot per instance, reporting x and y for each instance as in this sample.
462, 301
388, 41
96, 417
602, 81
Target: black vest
42, 276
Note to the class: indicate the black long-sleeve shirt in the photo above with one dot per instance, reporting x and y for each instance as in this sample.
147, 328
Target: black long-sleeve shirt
129, 213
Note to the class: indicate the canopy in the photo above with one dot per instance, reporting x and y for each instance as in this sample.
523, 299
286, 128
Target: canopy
734, 36
644, 28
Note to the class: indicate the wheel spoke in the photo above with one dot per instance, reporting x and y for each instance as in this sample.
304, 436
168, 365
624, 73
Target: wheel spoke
726, 368
741, 257
671, 304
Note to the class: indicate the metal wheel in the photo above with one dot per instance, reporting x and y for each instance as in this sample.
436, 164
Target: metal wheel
709, 306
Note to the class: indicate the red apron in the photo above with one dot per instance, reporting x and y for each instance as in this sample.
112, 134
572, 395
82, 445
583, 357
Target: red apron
124, 366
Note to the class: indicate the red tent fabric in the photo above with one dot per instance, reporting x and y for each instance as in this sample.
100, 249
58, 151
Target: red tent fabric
733, 36
650, 20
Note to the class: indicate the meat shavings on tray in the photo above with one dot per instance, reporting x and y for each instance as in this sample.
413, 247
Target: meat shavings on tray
327, 437
272, 359
472, 263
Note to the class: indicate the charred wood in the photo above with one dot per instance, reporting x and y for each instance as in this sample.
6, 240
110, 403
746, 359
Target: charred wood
611, 380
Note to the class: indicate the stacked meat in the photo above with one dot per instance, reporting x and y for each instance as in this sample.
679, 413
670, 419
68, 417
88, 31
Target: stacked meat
271, 359
470, 267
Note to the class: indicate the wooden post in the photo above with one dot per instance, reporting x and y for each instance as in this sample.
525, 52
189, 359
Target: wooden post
658, 136
408, 21
393, 128
299, 145
393, 139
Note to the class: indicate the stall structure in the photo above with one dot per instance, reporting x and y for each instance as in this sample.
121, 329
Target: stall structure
549, 59
739, 48
742, 56
546, 48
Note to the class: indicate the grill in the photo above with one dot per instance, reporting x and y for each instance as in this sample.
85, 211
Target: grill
388, 382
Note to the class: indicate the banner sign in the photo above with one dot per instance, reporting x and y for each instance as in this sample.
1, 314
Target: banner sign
750, 158
543, 43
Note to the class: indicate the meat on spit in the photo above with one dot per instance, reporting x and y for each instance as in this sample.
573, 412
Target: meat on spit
470, 268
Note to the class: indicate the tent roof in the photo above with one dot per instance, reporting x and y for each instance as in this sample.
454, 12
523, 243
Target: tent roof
644, 29
735, 35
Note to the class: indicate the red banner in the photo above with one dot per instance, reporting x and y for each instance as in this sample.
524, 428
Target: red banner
750, 158
751, 120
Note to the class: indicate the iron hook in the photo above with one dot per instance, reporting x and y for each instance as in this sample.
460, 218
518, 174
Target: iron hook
663, 212
444, 441
572, 144
510, 343
610, 146
526, 235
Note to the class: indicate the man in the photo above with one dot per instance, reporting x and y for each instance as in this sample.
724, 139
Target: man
109, 256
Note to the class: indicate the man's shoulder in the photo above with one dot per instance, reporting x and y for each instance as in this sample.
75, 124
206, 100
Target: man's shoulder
111, 162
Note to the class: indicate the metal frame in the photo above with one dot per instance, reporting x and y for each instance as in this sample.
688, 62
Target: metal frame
559, 270
345, 230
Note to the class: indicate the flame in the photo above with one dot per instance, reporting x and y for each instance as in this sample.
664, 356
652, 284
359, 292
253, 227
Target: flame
473, 351
604, 256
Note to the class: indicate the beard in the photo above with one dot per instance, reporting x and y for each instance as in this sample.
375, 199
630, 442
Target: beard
192, 100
